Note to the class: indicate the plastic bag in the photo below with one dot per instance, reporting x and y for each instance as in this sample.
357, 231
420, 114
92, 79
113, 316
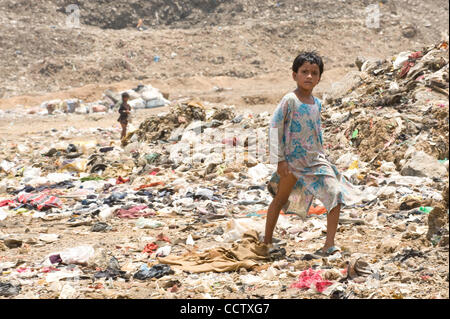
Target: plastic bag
6, 166
149, 223
85, 146
77, 255
258, 173
78, 165
237, 227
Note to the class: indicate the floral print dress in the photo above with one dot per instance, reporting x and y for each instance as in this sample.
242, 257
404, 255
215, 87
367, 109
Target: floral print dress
296, 137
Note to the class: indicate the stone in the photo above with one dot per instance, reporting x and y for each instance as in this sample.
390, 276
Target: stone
401, 227
389, 246
359, 62
436, 220
444, 241
409, 31
423, 165
411, 263
12, 243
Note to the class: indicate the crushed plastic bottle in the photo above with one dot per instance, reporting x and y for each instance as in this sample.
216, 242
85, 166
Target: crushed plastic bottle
426, 209
149, 223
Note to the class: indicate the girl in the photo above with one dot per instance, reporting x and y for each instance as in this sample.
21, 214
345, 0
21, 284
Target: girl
124, 111
303, 172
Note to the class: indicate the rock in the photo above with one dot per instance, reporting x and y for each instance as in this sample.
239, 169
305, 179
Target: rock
409, 31
411, 263
101, 227
444, 241
436, 220
423, 165
12, 243
401, 227
390, 245
445, 196
359, 62
218, 231
9, 290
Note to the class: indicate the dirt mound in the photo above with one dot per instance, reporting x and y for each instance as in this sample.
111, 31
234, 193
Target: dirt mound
184, 39
111, 14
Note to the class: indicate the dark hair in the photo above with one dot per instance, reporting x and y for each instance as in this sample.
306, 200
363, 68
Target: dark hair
125, 95
307, 56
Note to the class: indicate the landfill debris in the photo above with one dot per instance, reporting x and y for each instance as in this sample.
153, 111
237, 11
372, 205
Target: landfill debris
12, 243
70, 203
113, 271
242, 255
9, 290
142, 97
156, 271
101, 227
311, 278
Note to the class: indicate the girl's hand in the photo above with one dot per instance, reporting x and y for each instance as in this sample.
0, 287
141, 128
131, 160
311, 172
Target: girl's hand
283, 169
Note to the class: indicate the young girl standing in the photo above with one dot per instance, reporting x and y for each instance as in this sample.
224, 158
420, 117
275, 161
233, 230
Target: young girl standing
124, 111
296, 145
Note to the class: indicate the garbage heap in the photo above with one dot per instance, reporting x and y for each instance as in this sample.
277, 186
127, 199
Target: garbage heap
391, 110
141, 97
179, 209
160, 127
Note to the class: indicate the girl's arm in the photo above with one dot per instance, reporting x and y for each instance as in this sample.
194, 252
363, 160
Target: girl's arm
121, 109
276, 132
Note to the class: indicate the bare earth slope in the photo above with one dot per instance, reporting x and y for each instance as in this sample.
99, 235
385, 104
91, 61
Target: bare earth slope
235, 39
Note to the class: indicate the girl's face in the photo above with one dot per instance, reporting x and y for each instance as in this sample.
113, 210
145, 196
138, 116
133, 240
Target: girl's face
308, 76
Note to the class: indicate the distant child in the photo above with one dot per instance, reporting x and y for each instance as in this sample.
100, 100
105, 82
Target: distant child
296, 145
124, 111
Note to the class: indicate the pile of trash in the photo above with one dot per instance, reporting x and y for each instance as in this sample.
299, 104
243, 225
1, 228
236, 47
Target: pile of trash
161, 126
177, 209
398, 105
141, 97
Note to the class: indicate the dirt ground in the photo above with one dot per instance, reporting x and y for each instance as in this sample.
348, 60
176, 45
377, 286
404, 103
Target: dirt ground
245, 49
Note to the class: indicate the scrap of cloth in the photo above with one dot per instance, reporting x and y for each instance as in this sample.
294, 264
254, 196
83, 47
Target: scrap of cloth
149, 185
133, 212
245, 254
311, 278
39, 201
296, 137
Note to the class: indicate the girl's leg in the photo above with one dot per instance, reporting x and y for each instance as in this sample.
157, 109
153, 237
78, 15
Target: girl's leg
284, 190
124, 130
332, 223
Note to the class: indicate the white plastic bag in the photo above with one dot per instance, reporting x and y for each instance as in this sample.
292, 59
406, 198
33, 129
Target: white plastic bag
259, 173
148, 223
77, 255
237, 227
